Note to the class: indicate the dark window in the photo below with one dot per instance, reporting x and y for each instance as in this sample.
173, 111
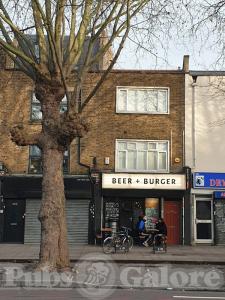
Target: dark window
35, 163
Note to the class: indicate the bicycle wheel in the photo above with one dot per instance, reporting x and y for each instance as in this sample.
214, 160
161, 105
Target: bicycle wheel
108, 245
131, 241
126, 246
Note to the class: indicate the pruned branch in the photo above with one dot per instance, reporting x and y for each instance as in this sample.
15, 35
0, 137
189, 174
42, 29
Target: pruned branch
22, 137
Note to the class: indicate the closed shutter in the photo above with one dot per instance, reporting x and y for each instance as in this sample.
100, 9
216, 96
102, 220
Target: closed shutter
77, 212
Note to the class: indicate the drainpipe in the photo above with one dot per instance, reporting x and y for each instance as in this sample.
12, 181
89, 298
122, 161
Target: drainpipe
94, 193
194, 84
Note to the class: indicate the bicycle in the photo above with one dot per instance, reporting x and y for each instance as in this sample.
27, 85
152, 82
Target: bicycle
126, 231
118, 241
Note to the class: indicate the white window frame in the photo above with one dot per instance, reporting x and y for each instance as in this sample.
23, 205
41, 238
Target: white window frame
141, 170
127, 88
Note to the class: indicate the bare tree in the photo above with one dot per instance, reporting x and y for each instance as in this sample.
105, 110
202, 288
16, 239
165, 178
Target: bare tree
61, 28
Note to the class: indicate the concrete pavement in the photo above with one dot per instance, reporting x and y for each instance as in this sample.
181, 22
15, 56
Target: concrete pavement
203, 254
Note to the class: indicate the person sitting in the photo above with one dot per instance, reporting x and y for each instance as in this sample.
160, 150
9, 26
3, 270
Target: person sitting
162, 230
140, 228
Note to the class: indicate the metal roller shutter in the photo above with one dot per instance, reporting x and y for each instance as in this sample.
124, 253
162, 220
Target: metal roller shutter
77, 221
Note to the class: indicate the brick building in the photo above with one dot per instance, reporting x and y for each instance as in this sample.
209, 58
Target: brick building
130, 162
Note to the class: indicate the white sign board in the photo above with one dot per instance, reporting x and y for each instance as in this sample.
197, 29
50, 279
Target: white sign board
144, 181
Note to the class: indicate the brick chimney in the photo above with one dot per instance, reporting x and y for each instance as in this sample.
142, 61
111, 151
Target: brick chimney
186, 63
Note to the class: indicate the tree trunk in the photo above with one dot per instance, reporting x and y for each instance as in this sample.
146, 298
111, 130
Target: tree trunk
54, 252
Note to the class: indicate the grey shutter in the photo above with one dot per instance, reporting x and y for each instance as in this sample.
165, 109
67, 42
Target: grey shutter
77, 221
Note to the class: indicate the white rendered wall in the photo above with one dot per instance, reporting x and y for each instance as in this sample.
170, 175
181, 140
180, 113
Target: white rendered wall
205, 124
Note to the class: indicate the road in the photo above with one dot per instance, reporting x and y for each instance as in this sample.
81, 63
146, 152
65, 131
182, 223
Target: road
120, 294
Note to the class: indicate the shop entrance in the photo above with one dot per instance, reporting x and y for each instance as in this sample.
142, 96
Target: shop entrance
203, 220
14, 221
172, 212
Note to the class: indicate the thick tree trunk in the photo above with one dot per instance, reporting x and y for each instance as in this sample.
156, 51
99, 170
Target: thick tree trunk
54, 252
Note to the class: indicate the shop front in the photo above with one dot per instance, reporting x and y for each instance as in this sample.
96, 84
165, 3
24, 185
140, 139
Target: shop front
128, 196
20, 204
208, 198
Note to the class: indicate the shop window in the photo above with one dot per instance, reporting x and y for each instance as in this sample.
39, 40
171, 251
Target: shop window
36, 113
144, 100
35, 162
142, 156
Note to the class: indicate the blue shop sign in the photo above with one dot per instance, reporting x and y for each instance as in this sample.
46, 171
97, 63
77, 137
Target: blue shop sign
219, 195
212, 181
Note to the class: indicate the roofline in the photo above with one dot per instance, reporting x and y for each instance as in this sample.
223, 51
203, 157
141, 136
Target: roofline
141, 71
207, 73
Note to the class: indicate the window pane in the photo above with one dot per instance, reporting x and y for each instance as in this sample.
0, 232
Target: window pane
203, 210
122, 160
152, 101
65, 165
152, 160
142, 146
162, 101
142, 160
66, 153
35, 165
162, 146
35, 151
141, 101
122, 101
132, 98
152, 146
36, 113
122, 146
131, 146
162, 161
131, 159
204, 231
34, 99
63, 107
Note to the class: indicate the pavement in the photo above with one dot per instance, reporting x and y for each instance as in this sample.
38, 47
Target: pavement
204, 254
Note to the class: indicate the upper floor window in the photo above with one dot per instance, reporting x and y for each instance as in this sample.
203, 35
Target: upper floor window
36, 113
142, 156
143, 100
35, 161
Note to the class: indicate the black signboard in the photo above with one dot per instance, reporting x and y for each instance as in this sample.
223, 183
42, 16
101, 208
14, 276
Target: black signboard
112, 211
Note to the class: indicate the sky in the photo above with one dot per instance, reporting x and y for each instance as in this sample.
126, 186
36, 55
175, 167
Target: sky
202, 56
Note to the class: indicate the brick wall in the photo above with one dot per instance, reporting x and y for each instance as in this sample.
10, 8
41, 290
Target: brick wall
105, 125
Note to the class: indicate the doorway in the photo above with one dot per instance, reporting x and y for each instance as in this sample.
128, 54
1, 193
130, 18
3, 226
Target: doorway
172, 213
14, 221
203, 220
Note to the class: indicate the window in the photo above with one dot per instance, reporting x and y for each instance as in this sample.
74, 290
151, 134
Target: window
142, 156
142, 100
35, 163
36, 114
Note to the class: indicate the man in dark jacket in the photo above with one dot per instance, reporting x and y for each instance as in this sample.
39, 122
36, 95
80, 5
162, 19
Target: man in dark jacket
161, 227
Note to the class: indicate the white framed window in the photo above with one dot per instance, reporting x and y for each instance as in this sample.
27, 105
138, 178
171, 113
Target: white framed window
142, 100
142, 156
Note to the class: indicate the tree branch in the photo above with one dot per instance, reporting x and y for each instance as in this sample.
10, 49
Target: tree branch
22, 137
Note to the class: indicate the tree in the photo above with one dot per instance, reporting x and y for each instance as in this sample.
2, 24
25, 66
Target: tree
62, 28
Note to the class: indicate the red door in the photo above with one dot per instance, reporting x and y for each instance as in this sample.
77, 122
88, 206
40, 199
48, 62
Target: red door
172, 211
